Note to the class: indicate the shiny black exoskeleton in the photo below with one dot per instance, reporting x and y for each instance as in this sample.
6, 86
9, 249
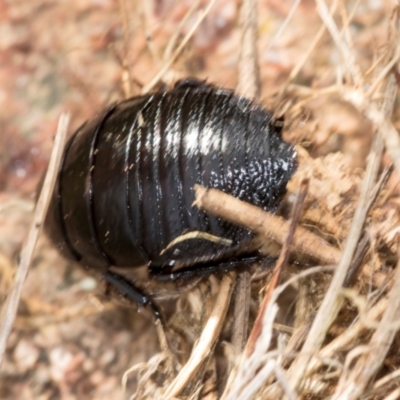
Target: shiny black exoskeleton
125, 185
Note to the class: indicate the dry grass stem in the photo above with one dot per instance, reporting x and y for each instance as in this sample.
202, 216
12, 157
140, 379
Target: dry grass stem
174, 38
278, 270
300, 64
353, 384
9, 309
389, 378
342, 45
365, 322
243, 382
381, 123
382, 75
241, 379
144, 10
248, 71
241, 310
206, 343
147, 88
248, 86
127, 79
284, 25
332, 300
394, 395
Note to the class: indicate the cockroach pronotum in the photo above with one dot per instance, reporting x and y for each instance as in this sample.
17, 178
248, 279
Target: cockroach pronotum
124, 192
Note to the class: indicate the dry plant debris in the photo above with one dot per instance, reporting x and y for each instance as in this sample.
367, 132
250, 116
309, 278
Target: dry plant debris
332, 69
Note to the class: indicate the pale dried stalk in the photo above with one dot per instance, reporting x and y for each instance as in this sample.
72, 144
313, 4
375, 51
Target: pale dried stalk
150, 366
127, 72
207, 340
284, 25
297, 68
9, 309
248, 378
381, 123
354, 384
348, 56
165, 357
348, 336
269, 226
382, 75
256, 382
248, 86
249, 75
241, 311
395, 395
174, 38
241, 379
346, 20
144, 10
279, 268
332, 300
317, 38
253, 357
389, 378
179, 49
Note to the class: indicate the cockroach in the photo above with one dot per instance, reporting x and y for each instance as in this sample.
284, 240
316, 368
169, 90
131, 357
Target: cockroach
124, 192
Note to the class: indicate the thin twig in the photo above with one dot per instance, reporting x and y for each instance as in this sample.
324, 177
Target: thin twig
295, 71
241, 311
207, 340
392, 377
381, 123
382, 75
332, 300
178, 51
9, 310
250, 367
346, 22
126, 67
353, 385
349, 57
249, 74
283, 26
144, 9
348, 336
355, 266
172, 41
279, 268
248, 86
265, 224
394, 395
362, 249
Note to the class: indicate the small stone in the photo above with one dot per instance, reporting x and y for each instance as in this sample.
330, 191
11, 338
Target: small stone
61, 360
26, 355
107, 358
88, 284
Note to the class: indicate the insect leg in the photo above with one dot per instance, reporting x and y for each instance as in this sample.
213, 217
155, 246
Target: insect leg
132, 292
161, 274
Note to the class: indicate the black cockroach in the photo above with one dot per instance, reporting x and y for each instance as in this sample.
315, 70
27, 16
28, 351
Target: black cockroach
124, 192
